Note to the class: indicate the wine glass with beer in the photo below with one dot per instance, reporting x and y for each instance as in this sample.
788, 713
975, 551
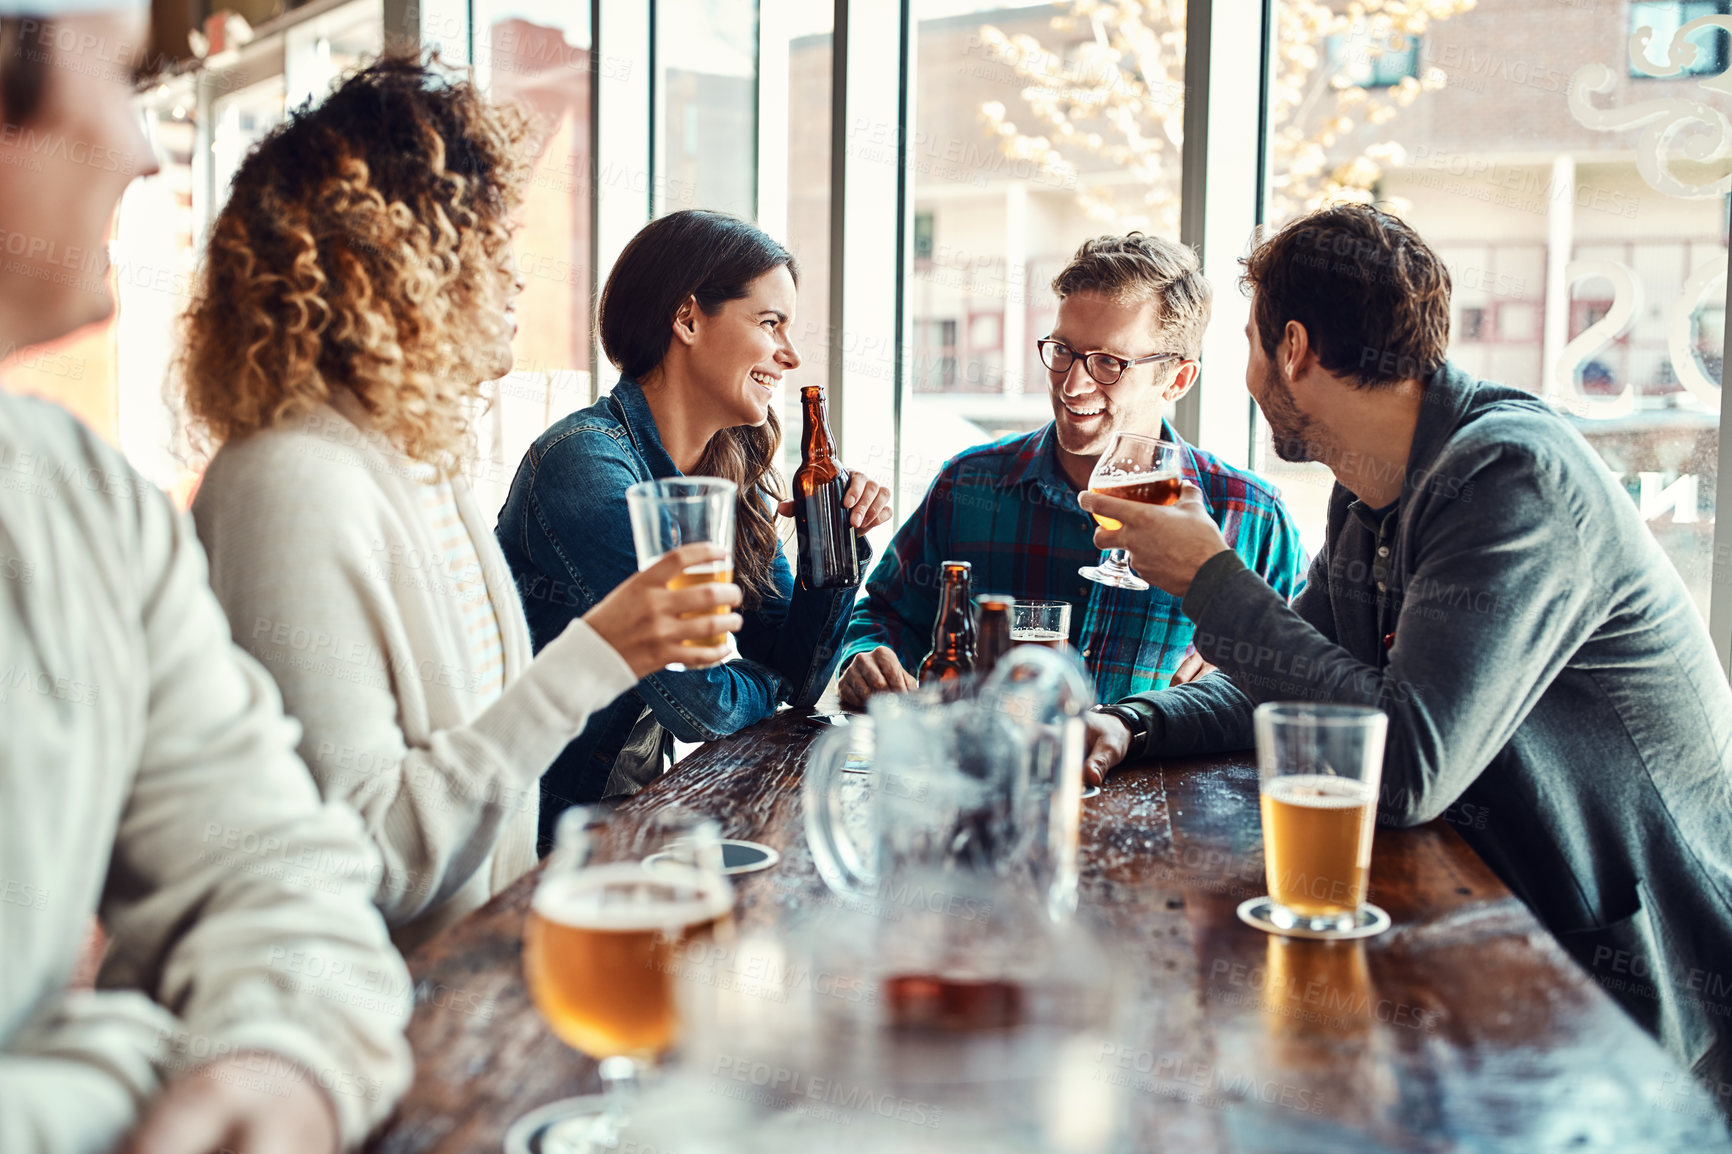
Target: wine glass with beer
1134, 468
677, 511
1319, 767
610, 932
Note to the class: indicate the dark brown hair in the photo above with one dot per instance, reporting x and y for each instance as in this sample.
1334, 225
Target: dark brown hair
363, 247
1373, 296
714, 257
23, 70
1135, 268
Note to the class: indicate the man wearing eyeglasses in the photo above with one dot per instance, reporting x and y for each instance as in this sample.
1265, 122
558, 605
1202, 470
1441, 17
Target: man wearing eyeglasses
1131, 315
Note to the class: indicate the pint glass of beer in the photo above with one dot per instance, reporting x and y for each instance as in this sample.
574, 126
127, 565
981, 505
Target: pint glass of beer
679, 511
621, 909
1319, 769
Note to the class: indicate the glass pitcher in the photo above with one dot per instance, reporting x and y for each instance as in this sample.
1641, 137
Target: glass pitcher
943, 788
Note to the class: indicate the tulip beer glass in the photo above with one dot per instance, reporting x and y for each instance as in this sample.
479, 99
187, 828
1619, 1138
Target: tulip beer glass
1134, 468
603, 946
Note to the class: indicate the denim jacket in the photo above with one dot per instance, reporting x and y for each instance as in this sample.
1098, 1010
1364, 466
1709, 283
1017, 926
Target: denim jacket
567, 536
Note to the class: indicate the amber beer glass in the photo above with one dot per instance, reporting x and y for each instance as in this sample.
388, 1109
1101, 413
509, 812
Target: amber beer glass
826, 537
679, 511
952, 656
1134, 468
604, 946
1319, 768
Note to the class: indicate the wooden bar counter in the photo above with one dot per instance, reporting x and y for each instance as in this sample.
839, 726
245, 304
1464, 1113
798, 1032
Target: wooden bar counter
1464, 1027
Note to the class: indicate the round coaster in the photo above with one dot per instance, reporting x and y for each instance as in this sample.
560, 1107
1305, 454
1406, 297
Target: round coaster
1091, 791
738, 856
1255, 912
747, 857
524, 1136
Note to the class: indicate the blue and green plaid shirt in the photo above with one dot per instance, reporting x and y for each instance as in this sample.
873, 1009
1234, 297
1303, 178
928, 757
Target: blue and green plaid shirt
1008, 510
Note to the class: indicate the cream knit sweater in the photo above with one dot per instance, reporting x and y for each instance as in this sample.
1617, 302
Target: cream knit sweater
321, 554
147, 773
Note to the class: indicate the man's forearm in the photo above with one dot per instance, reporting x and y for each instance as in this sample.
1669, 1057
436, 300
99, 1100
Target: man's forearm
1208, 715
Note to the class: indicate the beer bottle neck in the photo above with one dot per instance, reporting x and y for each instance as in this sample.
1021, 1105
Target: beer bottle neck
955, 623
816, 441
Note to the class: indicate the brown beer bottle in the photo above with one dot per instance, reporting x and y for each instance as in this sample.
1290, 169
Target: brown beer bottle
952, 653
824, 534
991, 630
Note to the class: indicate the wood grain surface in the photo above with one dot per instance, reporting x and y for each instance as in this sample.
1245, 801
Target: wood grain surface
1465, 1027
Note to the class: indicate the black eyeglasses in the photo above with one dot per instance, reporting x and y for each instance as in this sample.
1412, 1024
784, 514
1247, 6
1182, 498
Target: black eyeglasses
1105, 368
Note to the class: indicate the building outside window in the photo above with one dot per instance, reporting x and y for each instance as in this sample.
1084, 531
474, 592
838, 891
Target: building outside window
1574, 277
1588, 260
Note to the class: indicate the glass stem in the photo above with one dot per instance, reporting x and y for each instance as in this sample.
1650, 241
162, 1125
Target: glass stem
619, 1083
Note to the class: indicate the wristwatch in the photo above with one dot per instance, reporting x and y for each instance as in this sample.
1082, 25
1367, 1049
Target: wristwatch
1135, 721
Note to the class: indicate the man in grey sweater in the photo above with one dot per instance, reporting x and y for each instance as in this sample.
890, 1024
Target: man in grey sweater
1486, 582
248, 998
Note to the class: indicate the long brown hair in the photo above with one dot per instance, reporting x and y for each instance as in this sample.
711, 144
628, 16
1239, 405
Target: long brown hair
715, 258
363, 246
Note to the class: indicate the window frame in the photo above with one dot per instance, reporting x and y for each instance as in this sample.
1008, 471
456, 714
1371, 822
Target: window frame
872, 225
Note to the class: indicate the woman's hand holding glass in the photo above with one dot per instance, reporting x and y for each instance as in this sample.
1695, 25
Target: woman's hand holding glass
652, 626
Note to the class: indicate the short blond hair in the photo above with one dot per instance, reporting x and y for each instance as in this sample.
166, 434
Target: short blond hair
1135, 268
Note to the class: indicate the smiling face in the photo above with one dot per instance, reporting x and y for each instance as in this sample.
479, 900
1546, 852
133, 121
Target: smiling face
64, 208
738, 355
1087, 414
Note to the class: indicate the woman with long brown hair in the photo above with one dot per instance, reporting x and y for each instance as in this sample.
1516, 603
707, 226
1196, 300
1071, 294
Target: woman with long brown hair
695, 315
356, 293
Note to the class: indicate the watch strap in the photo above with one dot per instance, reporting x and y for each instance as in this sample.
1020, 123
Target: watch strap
1135, 720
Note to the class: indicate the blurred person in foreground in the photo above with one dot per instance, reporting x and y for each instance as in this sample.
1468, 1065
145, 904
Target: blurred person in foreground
356, 294
696, 316
147, 773
1137, 306
1488, 583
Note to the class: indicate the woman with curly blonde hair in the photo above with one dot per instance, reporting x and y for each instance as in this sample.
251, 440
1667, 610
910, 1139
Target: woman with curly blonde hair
356, 293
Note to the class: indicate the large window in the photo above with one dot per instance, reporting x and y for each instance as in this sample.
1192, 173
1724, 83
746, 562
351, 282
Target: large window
1588, 257
796, 60
706, 106
1034, 127
1574, 276
537, 54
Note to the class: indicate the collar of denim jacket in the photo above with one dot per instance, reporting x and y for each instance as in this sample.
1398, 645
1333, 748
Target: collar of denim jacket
640, 424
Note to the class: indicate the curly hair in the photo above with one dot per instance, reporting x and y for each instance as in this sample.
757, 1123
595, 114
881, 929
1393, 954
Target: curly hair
365, 245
